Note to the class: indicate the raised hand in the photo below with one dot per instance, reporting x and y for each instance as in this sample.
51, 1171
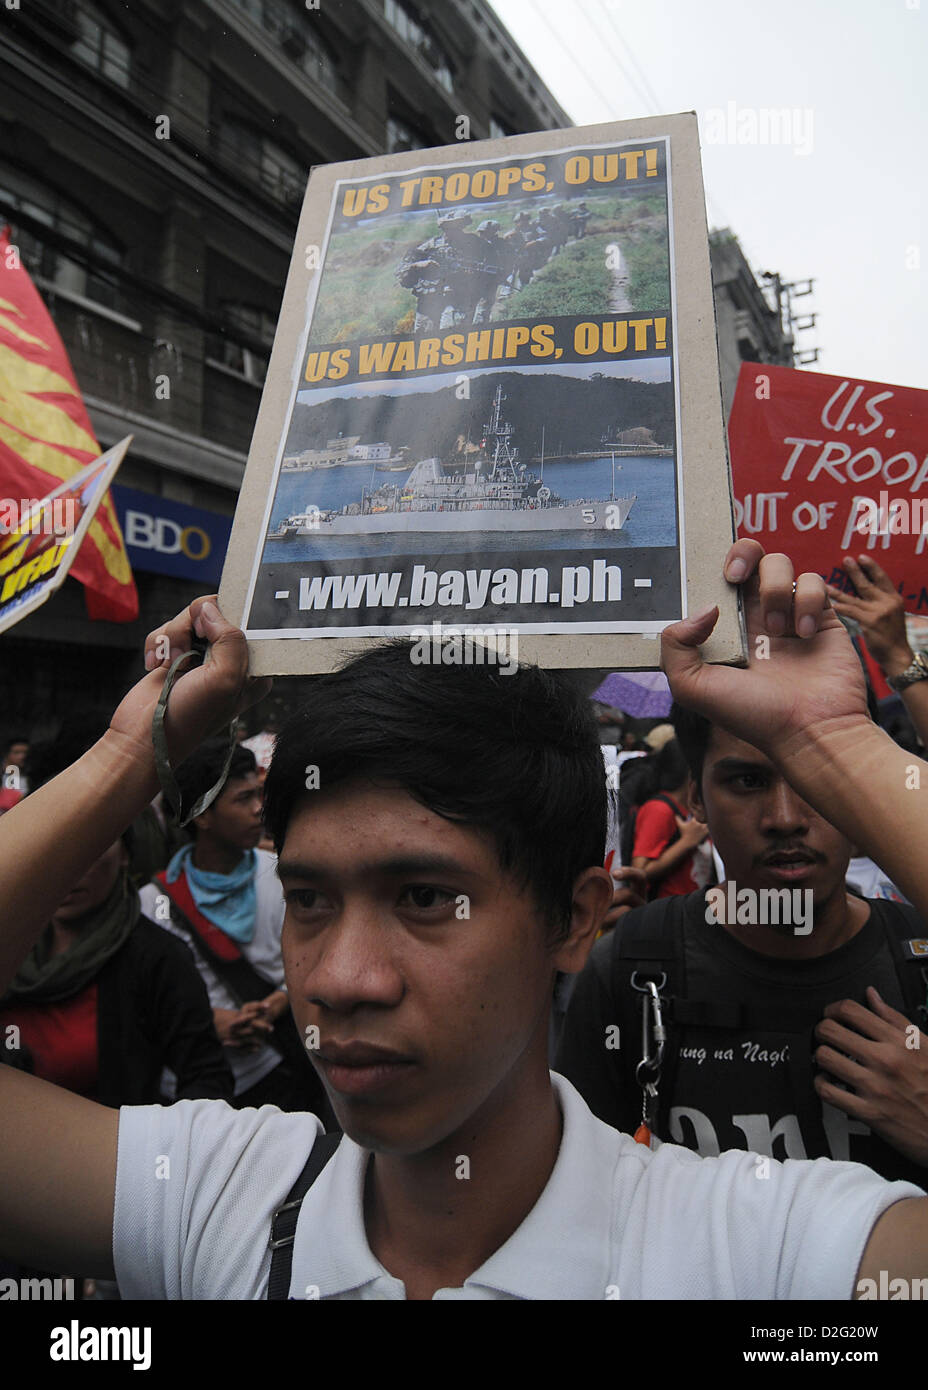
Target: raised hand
630, 889
50, 839
802, 701
204, 698
879, 610
802, 670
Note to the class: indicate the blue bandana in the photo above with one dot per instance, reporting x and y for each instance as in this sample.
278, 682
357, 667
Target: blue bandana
229, 901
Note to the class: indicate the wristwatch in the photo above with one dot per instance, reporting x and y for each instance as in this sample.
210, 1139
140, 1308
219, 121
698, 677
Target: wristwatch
918, 671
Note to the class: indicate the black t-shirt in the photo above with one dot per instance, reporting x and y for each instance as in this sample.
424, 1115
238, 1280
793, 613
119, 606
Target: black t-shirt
744, 1087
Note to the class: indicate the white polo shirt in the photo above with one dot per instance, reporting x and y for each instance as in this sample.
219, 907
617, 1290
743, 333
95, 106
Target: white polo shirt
198, 1182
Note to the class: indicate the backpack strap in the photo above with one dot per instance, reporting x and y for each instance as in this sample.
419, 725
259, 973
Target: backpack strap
904, 931
218, 945
674, 806
283, 1222
651, 945
211, 943
648, 944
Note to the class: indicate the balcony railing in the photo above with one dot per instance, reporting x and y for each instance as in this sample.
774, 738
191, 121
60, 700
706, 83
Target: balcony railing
402, 20
157, 378
285, 183
292, 34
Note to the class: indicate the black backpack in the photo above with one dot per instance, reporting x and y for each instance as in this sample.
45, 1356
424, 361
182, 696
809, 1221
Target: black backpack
649, 945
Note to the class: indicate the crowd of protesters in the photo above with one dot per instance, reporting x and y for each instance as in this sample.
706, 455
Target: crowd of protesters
389, 978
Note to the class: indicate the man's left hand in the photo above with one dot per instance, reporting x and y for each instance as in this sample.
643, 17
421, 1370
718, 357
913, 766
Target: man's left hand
886, 1063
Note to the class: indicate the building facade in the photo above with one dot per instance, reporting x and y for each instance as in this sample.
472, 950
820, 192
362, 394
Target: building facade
749, 328
152, 168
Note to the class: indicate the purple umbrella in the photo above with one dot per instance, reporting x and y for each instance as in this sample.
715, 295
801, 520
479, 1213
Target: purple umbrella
642, 694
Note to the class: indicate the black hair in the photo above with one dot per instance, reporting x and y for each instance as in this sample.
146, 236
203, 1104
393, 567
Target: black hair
203, 769
902, 731
17, 738
693, 733
49, 757
515, 754
663, 771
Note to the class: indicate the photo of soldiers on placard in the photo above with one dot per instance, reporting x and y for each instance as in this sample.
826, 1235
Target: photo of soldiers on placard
435, 271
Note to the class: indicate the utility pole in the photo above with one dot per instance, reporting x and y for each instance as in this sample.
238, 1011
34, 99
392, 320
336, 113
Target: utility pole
784, 292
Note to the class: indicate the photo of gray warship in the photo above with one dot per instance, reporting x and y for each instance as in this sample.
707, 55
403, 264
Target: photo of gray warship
490, 491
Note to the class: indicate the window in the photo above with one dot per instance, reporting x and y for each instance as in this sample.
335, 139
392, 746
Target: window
24, 194
296, 36
403, 19
99, 46
254, 325
499, 128
402, 136
260, 159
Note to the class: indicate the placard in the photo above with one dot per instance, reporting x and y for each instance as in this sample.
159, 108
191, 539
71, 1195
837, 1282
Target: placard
492, 406
828, 466
39, 540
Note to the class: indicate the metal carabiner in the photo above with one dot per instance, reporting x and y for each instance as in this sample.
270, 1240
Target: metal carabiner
651, 1063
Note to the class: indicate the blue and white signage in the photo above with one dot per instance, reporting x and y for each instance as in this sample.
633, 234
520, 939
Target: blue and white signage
167, 537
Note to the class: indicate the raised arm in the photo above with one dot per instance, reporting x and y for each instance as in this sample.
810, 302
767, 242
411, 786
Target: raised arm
802, 701
58, 1155
880, 611
50, 839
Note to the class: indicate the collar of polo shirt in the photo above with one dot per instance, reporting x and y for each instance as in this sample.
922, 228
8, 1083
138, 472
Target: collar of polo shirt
560, 1251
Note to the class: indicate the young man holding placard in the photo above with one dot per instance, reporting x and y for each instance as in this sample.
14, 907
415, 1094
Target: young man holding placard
419, 944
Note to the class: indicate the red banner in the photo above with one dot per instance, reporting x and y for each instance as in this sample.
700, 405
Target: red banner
46, 436
827, 466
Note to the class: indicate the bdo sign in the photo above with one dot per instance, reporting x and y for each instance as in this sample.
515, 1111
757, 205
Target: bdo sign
168, 537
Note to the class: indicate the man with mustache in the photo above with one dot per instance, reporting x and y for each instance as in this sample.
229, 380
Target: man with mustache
781, 988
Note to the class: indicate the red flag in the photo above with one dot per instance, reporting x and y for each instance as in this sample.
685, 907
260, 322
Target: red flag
46, 436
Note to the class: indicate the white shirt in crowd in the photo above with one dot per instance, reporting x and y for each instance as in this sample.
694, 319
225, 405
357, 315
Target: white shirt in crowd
262, 951
870, 881
615, 1220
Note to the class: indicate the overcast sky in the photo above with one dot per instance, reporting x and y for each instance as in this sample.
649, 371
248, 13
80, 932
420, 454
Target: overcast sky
844, 202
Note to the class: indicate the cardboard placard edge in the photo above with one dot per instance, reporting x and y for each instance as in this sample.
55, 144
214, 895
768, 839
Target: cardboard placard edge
701, 416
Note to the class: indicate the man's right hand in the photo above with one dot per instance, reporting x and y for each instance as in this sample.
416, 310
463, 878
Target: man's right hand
204, 698
225, 1019
802, 672
244, 1029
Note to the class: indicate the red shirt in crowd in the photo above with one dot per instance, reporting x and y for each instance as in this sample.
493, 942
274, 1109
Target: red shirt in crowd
62, 1038
655, 829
